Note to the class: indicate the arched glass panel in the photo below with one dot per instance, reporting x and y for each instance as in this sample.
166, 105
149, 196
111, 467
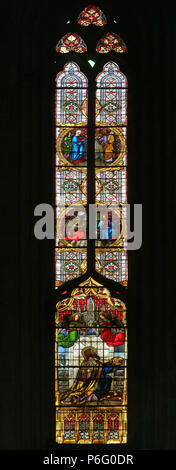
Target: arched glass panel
71, 173
111, 174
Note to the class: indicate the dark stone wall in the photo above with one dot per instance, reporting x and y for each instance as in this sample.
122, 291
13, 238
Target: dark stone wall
29, 33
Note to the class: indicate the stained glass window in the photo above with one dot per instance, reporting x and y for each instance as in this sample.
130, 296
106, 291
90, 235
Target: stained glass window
71, 42
71, 171
91, 367
90, 322
111, 42
92, 14
111, 176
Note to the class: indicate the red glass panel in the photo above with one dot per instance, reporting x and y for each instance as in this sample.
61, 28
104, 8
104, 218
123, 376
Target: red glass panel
111, 42
71, 42
92, 14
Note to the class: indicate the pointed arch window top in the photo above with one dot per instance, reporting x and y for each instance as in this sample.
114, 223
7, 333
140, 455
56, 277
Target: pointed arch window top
71, 42
92, 14
111, 42
111, 77
71, 77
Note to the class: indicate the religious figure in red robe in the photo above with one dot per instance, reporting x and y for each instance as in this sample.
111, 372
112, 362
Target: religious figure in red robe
108, 329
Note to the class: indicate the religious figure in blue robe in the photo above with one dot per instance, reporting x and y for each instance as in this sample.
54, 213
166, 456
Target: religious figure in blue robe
78, 144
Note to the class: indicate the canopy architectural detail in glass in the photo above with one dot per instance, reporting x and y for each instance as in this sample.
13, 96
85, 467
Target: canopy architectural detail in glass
92, 15
71, 42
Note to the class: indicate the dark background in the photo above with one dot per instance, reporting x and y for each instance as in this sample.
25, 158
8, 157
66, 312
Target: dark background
29, 32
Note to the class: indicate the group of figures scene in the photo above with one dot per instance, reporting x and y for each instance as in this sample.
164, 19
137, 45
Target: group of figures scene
110, 146
72, 145
90, 346
71, 235
91, 366
109, 228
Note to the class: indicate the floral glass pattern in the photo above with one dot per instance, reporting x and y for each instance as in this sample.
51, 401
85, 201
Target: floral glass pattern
71, 42
111, 42
92, 15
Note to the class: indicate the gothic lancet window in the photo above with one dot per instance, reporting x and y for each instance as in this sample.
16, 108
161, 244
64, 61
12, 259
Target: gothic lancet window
91, 275
110, 163
71, 170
